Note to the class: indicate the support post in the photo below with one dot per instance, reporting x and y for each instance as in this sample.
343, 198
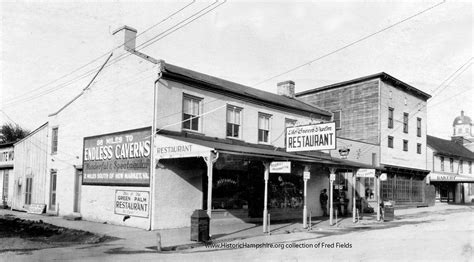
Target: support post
354, 200
306, 176
377, 193
265, 209
332, 176
210, 160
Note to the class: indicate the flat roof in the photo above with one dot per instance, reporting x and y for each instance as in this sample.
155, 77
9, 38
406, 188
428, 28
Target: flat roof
382, 75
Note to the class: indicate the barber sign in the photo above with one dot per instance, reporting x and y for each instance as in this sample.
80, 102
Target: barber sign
311, 137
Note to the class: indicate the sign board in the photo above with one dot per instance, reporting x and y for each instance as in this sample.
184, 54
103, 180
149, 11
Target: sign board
117, 159
311, 137
36, 208
383, 177
332, 177
280, 167
167, 148
365, 173
132, 203
6, 157
306, 175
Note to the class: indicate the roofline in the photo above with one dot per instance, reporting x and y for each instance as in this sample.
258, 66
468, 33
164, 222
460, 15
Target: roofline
8, 144
381, 75
437, 152
176, 76
31, 133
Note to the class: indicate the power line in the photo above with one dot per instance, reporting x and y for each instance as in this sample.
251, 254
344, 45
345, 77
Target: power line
103, 55
123, 56
351, 44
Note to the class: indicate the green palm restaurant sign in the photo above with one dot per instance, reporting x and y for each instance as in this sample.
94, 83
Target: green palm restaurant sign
118, 159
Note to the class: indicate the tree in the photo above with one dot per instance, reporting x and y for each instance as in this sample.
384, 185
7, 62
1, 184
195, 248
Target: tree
10, 132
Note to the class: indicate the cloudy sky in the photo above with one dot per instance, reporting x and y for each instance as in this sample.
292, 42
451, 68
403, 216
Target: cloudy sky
48, 47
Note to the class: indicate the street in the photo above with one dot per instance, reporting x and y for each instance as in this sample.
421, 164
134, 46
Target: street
441, 233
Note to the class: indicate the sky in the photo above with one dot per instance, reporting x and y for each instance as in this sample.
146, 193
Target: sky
46, 46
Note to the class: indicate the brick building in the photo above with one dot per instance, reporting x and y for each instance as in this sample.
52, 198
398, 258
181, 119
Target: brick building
390, 114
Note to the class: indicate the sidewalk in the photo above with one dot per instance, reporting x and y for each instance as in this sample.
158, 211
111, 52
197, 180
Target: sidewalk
172, 239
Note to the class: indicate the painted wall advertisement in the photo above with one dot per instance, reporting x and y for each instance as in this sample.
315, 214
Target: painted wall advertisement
311, 137
118, 159
132, 203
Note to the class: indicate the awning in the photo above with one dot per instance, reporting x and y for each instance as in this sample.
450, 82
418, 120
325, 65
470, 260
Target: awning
446, 177
169, 146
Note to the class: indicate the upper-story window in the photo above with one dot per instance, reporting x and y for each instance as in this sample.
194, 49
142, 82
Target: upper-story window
441, 159
263, 127
405, 122
418, 126
336, 117
418, 148
234, 120
290, 122
469, 167
191, 112
390, 141
461, 163
390, 117
405, 145
451, 164
54, 140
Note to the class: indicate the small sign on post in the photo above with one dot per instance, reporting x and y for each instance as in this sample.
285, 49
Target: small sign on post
332, 177
306, 175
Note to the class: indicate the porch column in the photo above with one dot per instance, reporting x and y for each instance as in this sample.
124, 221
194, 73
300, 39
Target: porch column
210, 160
306, 176
354, 200
332, 177
377, 192
265, 209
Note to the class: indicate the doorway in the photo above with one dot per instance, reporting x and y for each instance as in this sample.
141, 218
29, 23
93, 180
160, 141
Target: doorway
52, 190
77, 191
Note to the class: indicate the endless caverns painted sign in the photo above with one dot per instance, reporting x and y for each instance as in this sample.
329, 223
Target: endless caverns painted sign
132, 203
311, 137
118, 159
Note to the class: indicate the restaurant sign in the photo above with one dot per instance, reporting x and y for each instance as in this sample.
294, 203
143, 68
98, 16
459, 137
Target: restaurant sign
132, 203
311, 137
117, 159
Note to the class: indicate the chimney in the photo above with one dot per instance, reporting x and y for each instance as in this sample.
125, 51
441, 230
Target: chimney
286, 88
125, 36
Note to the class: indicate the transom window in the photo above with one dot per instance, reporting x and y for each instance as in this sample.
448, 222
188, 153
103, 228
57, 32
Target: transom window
191, 112
234, 120
263, 127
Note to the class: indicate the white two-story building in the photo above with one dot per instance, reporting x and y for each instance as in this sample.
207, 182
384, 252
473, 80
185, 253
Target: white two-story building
151, 142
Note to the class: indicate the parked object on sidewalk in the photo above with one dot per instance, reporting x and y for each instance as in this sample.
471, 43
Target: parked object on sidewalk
199, 226
388, 211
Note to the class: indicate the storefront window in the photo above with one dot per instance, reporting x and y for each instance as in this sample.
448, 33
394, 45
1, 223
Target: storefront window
286, 191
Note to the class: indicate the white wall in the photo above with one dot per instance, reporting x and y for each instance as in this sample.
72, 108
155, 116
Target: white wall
31, 156
415, 107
